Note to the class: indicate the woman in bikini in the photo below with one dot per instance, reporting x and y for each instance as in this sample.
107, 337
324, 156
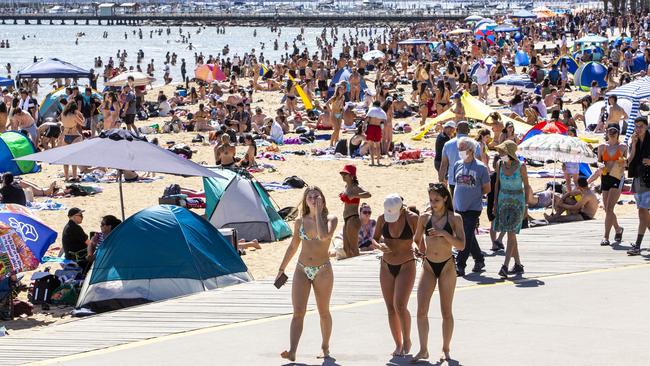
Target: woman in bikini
335, 105
397, 268
351, 198
612, 156
438, 231
424, 102
291, 102
111, 111
441, 97
314, 228
72, 121
224, 153
248, 160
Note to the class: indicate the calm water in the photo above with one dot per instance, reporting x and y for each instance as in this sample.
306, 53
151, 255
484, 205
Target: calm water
47, 41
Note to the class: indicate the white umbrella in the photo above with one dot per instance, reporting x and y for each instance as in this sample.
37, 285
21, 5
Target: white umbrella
556, 147
459, 31
371, 55
140, 79
473, 18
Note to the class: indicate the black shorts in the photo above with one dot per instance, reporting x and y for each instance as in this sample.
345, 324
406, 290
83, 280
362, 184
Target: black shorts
322, 85
585, 217
236, 70
608, 182
129, 119
302, 72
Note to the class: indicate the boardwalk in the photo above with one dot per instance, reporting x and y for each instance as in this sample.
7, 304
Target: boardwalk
549, 254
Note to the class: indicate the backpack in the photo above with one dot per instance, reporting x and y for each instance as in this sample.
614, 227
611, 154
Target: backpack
288, 213
294, 182
43, 288
171, 190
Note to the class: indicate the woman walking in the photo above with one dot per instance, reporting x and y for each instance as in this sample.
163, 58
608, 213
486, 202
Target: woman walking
351, 197
397, 268
314, 229
612, 156
335, 105
510, 202
439, 230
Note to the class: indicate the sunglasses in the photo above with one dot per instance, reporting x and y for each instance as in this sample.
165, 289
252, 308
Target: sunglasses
366, 212
612, 132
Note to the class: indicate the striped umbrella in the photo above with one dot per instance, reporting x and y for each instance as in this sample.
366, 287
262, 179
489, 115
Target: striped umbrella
557, 147
635, 91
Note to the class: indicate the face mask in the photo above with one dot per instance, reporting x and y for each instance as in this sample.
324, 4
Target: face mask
463, 155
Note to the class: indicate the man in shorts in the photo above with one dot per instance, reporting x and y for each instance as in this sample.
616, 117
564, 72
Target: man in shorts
639, 170
579, 205
129, 109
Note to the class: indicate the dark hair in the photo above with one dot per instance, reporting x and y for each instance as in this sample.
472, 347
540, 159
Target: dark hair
641, 119
70, 108
7, 178
555, 115
442, 190
3, 107
112, 221
582, 182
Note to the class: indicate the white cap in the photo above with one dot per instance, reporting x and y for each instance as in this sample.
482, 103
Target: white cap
451, 124
392, 207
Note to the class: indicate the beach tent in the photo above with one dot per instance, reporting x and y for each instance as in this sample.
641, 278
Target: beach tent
209, 73
236, 201
6, 82
15, 145
521, 81
474, 110
635, 91
591, 38
521, 58
572, 64
588, 72
344, 75
51, 106
53, 68
592, 114
523, 14
596, 53
159, 253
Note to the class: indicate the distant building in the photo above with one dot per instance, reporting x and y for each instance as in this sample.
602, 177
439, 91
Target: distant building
106, 10
127, 8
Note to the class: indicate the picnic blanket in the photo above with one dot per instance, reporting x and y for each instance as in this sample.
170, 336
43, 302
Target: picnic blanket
47, 205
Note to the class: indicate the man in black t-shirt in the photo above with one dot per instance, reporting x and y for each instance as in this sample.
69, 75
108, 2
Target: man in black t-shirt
447, 133
11, 192
74, 239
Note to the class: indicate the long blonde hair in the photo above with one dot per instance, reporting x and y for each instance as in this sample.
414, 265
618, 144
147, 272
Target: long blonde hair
304, 208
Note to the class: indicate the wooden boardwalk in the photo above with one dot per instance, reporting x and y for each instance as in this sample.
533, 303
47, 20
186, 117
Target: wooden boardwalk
546, 251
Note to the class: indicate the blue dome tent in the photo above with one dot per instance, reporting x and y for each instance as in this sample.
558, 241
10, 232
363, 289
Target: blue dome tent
572, 64
159, 253
344, 75
588, 72
521, 58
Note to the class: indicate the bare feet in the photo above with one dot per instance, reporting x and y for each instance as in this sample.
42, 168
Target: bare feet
324, 354
422, 355
444, 356
256, 244
288, 355
398, 351
406, 348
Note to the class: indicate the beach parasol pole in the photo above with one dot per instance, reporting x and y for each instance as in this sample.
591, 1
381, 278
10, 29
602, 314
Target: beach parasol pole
119, 176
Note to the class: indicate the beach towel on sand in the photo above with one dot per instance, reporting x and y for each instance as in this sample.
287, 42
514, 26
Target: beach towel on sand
47, 205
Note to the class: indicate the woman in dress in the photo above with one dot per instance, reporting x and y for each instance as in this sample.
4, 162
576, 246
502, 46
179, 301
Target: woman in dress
397, 268
351, 198
612, 156
438, 231
314, 229
510, 202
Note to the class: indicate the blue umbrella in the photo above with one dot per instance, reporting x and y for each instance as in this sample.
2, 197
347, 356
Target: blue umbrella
6, 82
36, 235
589, 72
505, 28
414, 42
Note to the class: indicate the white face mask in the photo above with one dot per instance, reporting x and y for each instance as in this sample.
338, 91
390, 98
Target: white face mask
463, 155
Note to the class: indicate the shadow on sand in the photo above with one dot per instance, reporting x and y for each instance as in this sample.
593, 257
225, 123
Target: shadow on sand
407, 360
329, 361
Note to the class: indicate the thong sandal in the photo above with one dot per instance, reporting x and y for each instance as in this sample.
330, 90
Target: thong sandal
619, 236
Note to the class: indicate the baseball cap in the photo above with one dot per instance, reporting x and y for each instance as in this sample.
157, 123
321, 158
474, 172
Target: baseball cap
392, 207
349, 169
451, 124
74, 211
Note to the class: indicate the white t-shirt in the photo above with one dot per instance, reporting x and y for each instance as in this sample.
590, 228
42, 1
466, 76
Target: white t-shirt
277, 134
482, 75
376, 112
164, 108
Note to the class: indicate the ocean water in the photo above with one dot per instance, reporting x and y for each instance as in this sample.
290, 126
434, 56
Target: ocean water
58, 41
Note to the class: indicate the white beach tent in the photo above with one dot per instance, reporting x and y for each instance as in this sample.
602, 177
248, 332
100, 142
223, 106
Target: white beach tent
635, 91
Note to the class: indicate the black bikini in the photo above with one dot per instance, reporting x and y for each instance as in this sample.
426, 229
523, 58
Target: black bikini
437, 267
407, 233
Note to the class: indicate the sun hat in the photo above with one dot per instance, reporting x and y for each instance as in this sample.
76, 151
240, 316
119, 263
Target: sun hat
509, 148
392, 207
349, 169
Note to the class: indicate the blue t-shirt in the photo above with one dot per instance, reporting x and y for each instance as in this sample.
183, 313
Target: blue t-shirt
450, 150
469, 178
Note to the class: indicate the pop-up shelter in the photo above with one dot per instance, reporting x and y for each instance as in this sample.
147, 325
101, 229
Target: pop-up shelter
159, 253
15, 145
474, 110
236, 201
635, 91
589, 72
344, 75
53, 68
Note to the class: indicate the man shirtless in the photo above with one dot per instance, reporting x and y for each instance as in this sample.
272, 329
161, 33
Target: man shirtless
616, 114
355, 85
257, 120
200, 120
580, 204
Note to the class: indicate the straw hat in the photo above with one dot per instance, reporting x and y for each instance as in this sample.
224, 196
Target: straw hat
509, 148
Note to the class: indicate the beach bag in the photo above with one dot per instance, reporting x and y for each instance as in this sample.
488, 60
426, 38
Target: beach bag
288, 213
409, 155
42, 289
171, 190
294, 182
65, 294
183, 150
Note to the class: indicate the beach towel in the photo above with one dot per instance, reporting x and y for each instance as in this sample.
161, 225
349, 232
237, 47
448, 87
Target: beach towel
47, 205
275, 186
542, 173
324, 137
271, 156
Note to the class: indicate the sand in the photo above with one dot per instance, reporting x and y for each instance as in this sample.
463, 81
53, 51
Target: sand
410, 181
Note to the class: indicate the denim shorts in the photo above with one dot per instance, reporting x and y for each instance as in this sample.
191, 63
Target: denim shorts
642, 200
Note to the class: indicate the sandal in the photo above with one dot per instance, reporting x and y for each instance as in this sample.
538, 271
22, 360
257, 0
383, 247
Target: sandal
619, 236
604, 243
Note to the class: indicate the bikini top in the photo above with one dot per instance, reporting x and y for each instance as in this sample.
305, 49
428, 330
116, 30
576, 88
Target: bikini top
446, 228
304, 236
407, 232
615, 157
350, 201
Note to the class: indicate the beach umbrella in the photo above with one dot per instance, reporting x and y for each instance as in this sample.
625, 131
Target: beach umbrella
516, 80
34, 233
635, 91
15, 255
506, 28
6, 81
638, 63
473, 18
591, 38
523, 14
122, 150
487, 34
620, 40
521, 58
414, 42
483, 21
139, 79
588, 72
371, 55
209, 73
459, 31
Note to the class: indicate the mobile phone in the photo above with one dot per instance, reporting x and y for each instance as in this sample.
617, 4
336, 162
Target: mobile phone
281, 281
